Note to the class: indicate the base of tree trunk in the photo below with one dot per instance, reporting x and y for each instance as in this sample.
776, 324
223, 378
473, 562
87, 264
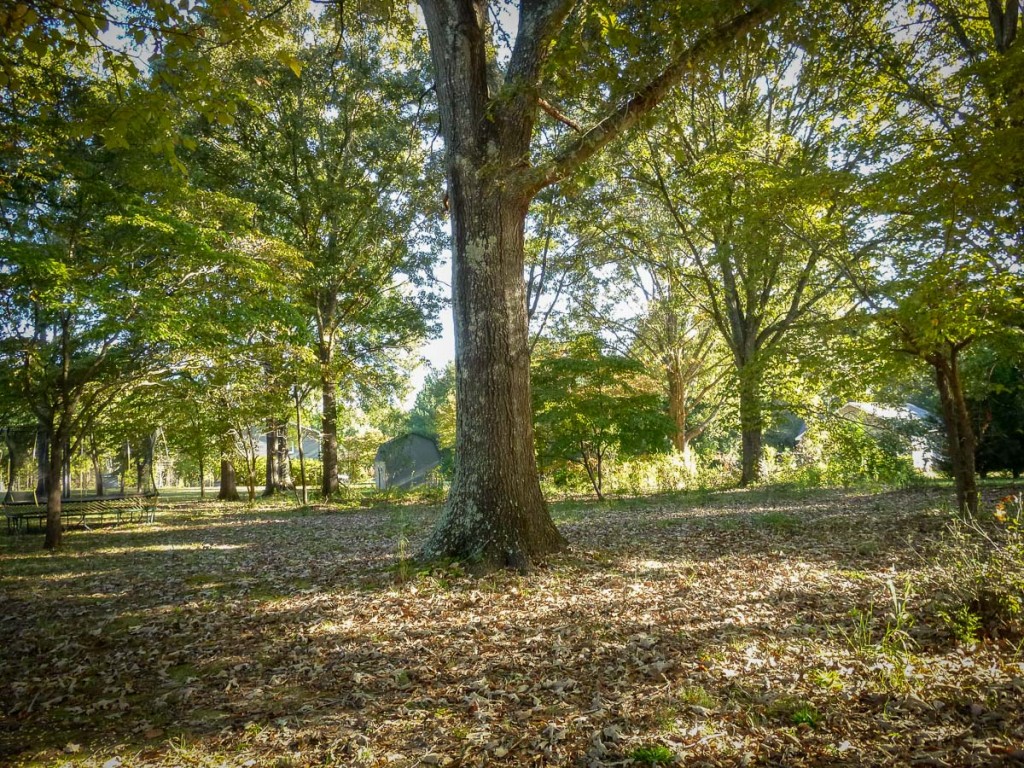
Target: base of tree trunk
276, 489
495, 535
228, 487
752, 450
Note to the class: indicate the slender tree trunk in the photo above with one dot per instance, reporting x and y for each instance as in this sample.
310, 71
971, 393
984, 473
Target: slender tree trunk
677, 410
12, 470
228, 486
18, 450
202, 476
154, 486
270, 486
54, 523
65, 471
284, 460
97, 471
298, 434
329, 443
751, 423
595, 480
960, 440
42, 461
127, 456
140, 471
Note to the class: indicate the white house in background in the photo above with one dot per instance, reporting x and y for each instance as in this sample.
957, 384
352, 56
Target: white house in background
310, 444
919, 425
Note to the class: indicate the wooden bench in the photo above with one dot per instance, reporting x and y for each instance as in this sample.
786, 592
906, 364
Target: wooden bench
130, 508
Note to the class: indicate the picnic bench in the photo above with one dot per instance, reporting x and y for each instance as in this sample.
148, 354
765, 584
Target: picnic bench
136, 507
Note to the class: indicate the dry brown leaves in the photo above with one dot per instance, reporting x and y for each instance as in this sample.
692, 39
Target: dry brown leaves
720, 629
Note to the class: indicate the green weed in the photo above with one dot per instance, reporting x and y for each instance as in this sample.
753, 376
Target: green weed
828, 679
964, 624
696, 695
653, 754
806, 714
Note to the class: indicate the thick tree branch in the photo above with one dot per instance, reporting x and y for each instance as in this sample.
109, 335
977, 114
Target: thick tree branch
647, 98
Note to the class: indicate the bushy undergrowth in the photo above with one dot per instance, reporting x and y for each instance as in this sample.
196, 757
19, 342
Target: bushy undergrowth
980, 585
840, 453
831, 453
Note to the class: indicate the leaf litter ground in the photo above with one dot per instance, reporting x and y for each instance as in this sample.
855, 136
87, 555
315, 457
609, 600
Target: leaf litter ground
701, 629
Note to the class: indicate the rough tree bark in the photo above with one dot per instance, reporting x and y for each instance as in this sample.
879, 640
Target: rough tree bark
228, 485
496, 514
751, 423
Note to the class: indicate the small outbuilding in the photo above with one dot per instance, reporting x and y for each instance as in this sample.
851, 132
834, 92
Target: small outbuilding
406, 462
920, 426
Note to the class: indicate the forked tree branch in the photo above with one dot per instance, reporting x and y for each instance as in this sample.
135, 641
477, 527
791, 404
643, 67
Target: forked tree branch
590, 142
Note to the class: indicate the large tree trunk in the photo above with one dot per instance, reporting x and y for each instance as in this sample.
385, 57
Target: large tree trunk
55, 469
329, 443
751, 423
495, 512
960, 440
228, 486
495, 515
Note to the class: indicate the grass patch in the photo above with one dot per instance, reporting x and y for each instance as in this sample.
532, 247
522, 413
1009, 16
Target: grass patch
696, 695
778, 522
794, 711
653, 754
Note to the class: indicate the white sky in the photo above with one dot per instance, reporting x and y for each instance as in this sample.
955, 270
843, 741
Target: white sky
440, 351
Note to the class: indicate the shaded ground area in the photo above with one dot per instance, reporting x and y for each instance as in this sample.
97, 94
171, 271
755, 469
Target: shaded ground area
717, 629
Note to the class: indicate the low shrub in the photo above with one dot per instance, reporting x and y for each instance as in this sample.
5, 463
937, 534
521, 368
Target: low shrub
980, 583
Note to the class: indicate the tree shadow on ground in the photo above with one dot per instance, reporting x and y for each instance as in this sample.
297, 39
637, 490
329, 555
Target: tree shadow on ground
704, 638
